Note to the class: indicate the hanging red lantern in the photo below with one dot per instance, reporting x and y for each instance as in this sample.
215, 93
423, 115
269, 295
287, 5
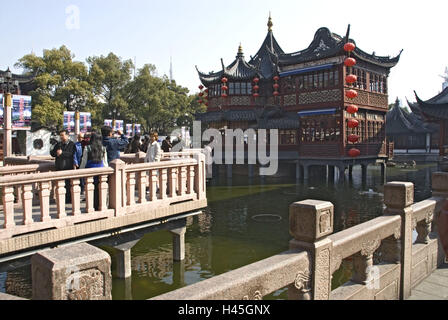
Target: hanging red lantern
256, 95
276, 86
206, 104
351, 78
349, 47
201, 94
349, 62
224, 80
352, 109
256, 88
353, 138
351, 94
353, 123
225, 88
206, 90
224, 95
276, 93
256, 80
354, 153
276, 78
201, 87
200, 101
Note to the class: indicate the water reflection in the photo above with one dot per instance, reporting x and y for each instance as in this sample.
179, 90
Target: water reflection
226, 236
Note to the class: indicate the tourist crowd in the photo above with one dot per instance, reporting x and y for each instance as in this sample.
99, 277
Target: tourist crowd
98, 150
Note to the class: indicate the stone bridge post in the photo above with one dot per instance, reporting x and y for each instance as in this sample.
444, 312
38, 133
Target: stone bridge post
399, 198
117, 187
310, 222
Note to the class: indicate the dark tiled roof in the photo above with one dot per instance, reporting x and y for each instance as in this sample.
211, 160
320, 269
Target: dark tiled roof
398, 121
327, 44
238, 70
434, 108
266, 58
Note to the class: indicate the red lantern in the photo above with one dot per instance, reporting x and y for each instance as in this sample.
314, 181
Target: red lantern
349, 47
351, 78
276, 78
225, 88
206, 104
256, 95
354, 153
350, 62
256, 88
352, 109
224, 95
276, 86
353, 123
224, 80
351, 94
353, 138
206, 90
200, 101
201, 87
276, 93
201, 94
256, 80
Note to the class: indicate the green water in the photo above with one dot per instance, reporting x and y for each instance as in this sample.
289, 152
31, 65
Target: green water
226, 237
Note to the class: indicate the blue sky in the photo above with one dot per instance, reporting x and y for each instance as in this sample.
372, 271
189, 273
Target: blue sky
200, 32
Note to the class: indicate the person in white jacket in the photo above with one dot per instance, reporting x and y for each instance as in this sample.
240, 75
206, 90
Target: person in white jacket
154, 152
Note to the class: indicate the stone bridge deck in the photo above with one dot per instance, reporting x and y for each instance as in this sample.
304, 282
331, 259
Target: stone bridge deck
435, 287
33, 212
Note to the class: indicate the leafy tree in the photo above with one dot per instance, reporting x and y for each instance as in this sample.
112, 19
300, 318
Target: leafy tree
158, 103
61, 85
109, 76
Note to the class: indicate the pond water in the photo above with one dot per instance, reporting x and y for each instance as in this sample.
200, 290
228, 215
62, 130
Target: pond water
245, 221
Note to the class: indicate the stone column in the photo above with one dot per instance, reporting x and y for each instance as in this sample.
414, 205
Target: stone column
123, 268
229, 171
179, 240
383, 172
306, 172
298, 171
117, 190
331, 172
76, 272
251, 170
77, 124
399, 197
7, 136
310, 222
364, 173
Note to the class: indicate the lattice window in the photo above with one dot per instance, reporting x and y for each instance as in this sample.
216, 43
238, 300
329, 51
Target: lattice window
288, 137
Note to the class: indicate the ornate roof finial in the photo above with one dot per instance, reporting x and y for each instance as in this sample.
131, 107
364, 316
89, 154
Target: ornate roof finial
270, 24
240, 50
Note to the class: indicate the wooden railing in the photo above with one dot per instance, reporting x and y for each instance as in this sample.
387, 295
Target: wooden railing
184, 179
386, 263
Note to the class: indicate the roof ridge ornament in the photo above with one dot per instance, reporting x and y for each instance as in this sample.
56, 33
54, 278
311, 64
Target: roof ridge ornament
270, 23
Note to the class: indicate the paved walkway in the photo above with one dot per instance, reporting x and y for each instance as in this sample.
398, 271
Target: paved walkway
435, 287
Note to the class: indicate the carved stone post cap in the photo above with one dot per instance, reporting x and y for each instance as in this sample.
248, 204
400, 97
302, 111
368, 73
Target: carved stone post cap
117, 163
440, 182
76, 272
311, 220
398, 195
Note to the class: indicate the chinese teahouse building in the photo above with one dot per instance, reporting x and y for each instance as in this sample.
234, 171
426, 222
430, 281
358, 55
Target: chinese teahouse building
413, 139
302, 94
435, 110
